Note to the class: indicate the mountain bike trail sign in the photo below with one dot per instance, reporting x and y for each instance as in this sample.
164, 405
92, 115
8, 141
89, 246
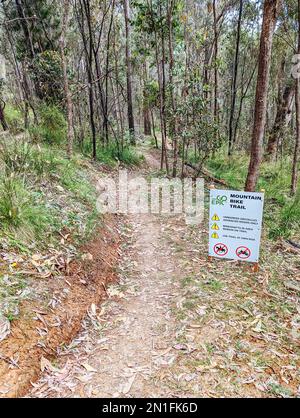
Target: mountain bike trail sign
235, 224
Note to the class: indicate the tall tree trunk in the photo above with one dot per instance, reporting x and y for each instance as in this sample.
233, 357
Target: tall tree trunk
146, 111
68, 97
242, 98
153, 128
106, 120
271, 8
283, 117
295, 169
216, 78
163, 72
234, 82
84, 18
129, 73
173, 130
2, 116
118, 103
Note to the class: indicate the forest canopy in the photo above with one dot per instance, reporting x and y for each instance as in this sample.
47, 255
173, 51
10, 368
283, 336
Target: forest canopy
209, 82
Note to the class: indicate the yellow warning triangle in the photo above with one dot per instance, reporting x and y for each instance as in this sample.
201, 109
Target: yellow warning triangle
215, 218
215, 235
215, 227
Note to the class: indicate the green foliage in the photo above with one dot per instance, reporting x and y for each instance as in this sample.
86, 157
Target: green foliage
52, 127
22, 158
43, 25
151, 94
47, 74
113, 153
33, 180
288, 219
196, 125
14, 119
21, 208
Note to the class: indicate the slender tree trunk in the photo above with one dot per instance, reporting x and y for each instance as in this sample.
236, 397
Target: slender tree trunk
146, 112
117, 75
234, 82
68, 97
283, 117
153, 128
216, 78
129, 73
271, 8
163, 86
242, 98
2, 116
173, 129
295, 169
88, 51
106, 121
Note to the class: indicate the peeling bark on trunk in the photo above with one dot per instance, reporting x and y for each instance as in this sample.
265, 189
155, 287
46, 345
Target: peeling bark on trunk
295, 169
271, 8
283, 117
2, 116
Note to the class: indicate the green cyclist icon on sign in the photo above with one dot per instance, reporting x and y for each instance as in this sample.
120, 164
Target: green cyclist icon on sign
219, 200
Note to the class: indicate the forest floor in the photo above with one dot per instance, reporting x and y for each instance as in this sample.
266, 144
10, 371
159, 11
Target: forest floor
176, 325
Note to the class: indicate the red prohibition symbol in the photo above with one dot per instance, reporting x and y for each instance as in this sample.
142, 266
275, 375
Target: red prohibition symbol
243, 252
220, 249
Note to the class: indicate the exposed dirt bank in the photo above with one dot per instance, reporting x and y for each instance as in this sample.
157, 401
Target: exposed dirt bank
44, 328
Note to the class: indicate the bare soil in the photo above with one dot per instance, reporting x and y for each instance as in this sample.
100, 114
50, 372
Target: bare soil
41, 330
176, 325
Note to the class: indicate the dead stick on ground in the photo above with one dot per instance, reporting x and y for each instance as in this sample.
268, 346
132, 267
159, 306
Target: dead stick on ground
206, 173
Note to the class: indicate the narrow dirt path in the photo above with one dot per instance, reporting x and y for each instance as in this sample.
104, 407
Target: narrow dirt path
176, 325
126, 343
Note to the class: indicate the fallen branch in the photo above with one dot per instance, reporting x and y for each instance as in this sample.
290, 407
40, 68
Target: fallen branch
206, 173
294, 244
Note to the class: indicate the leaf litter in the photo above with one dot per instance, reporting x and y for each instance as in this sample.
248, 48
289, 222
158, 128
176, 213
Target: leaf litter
190, 327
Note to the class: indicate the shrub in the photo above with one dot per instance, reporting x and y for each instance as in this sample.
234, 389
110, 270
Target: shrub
288, 219
20, 157
46, 71
111, 154
52, 127
14, 119
24, 210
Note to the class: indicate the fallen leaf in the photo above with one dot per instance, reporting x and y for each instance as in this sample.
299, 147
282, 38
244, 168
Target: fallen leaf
89, 368
4, 327
128, 385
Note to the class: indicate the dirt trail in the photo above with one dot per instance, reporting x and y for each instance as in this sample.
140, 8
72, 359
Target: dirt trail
176, 325
125, 346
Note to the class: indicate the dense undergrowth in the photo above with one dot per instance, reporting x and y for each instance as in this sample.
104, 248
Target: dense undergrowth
113, 153
47, 209
41, 193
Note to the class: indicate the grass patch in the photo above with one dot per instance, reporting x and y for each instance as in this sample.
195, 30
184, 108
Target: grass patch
52, 126
41, 193
14, 119
112, 154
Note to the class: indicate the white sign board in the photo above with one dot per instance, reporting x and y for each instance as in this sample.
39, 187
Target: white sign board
235, 223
